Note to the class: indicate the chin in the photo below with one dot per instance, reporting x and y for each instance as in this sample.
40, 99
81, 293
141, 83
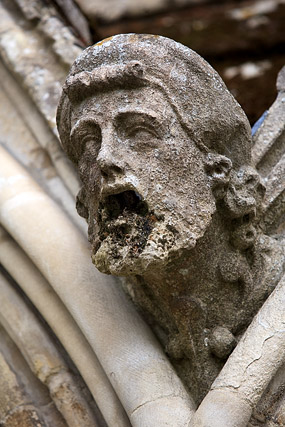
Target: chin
136, 257
110, 259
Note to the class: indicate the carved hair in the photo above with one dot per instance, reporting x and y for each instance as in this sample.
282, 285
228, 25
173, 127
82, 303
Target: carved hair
239, 194
212, 118
243, 199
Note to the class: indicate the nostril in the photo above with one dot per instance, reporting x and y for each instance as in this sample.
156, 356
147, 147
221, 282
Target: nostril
116, 169
110, 171
104, 174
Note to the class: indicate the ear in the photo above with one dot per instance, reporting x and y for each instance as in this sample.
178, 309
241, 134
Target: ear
218, 169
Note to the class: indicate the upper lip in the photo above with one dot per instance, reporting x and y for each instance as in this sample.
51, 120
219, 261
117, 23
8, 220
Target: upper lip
117, 188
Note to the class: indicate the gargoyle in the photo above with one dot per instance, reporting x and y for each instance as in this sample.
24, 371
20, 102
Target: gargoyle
173, 201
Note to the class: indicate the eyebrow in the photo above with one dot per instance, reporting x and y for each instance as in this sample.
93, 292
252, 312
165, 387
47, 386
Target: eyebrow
149, 118
87, 121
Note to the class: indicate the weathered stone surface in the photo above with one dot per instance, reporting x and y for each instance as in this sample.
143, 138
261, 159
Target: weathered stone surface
24, 401
44, 359
36, 50
73, 14
27, 137
44, 298
170, 195
47, 40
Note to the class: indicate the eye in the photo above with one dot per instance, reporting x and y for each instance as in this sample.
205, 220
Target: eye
141, 131
90, 145
86, 139
141, 136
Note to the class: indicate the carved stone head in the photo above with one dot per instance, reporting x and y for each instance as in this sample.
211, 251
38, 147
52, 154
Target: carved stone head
155, 135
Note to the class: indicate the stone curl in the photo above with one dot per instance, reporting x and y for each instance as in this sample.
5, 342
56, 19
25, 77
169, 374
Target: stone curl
243, 200
239, 194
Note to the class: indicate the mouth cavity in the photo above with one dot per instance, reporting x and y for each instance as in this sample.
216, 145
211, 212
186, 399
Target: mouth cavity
123, 203
126, 219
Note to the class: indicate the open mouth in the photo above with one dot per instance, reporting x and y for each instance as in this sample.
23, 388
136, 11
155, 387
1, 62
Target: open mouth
123, 203
126, 220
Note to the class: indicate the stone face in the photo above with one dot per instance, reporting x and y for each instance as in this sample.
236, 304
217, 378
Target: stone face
143, 217
170, 195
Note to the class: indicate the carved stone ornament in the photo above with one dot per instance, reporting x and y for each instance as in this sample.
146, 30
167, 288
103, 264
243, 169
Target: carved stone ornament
173, 201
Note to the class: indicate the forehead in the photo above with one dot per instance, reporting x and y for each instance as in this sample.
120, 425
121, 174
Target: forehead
108, 104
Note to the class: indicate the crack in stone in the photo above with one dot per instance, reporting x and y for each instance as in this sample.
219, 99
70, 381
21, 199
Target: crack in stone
154, 400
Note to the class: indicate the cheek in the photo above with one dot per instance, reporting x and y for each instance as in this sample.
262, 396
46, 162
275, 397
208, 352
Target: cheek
150, 170
188, 161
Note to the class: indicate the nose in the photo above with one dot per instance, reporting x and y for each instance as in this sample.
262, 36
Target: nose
108, 159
